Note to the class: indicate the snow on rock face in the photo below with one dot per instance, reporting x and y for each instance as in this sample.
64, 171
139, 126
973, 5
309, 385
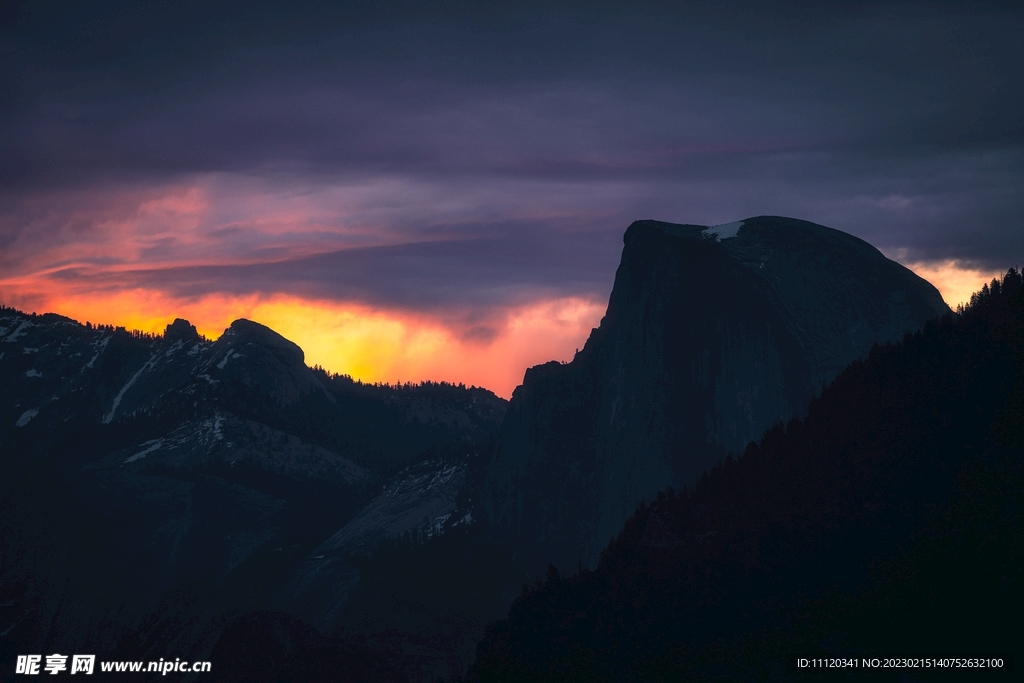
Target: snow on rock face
723, 231
117, 399
25, 417
156, 443
232, 440
102, 344
18, 332
421, 497
229, 355
663, 388
131, 373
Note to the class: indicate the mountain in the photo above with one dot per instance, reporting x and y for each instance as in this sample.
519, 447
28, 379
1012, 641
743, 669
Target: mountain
420, 502
59, 371
154, 487
712, 335
174, 496
887, 522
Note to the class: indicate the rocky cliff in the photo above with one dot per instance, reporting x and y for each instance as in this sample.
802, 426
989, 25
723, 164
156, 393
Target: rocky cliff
154, 486
712, 334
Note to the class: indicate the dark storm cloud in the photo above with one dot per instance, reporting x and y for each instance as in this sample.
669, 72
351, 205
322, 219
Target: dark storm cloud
899, 122
466, 275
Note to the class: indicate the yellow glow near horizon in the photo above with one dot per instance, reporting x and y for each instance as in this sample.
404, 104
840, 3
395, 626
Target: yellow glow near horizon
372, 345
955, 283
385, 345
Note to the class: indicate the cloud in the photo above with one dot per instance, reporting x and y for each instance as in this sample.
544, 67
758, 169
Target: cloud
463, 160
957, 282
428, 276
371, 344
830, 106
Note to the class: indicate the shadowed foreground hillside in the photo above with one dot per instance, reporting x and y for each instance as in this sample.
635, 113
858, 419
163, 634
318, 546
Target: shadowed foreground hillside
712, 334
155, 489
886, 521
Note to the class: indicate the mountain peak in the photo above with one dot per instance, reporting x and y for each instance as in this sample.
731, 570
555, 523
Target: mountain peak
259, 357
243, 331
712, 334
181, 329
723, 231
652, 228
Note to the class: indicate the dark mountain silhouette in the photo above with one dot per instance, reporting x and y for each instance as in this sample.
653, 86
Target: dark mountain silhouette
168, 495
886, 521
154, 487
711, 335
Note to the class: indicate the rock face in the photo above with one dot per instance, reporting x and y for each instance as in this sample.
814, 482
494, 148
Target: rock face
268, 361
421, 500
712, 334
172, 467
110, 374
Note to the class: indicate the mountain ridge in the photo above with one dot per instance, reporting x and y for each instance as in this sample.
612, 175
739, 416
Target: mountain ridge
711, 335
230, 469
190, 478
885, 521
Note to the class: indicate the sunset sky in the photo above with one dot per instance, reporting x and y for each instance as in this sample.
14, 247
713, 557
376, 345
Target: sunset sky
438, 190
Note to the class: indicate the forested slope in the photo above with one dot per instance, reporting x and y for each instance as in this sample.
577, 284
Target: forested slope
887, 520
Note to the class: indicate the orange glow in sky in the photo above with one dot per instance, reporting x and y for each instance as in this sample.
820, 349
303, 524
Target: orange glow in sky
955, 283
385, 345
372, 345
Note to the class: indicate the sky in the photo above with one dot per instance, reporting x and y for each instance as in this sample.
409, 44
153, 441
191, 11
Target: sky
438, 190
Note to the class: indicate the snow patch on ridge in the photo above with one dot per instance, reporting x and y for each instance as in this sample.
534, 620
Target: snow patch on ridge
143, 453
102, 345
723, 231
120, 394
174, 347
25, 417
229, 355
18, 332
